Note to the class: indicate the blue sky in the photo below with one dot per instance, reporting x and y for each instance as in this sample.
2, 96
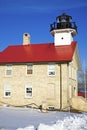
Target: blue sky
35, 17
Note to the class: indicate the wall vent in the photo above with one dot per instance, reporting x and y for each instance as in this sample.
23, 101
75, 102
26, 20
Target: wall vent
51, 108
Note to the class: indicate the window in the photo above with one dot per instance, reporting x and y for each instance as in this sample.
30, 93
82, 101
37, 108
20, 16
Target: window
28, 91
7, 90
8, 70
51, 69
29, 69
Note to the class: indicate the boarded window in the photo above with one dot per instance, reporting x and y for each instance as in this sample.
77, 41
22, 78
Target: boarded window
29, 69
8, 70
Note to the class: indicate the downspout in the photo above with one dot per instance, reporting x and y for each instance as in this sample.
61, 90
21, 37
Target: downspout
68, 84
60, 87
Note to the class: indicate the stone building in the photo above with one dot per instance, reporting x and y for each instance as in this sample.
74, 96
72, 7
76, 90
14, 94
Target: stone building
42, 74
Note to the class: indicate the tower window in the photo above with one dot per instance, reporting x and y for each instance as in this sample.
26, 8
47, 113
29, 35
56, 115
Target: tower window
62, 38
63, 20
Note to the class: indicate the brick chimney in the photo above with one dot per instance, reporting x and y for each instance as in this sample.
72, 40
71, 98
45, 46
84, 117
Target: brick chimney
26, 39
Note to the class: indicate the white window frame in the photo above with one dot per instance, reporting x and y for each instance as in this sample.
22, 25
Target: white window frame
8, 68
29, 67
7, 89
28, 91
51, 69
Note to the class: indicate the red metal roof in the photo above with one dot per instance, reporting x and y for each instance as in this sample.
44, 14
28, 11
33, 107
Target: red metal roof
37, 53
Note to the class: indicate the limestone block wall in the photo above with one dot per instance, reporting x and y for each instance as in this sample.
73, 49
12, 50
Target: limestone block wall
44, 88
79, 103
73, 79
64, 85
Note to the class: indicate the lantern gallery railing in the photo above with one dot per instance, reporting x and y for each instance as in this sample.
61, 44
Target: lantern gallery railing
63, 25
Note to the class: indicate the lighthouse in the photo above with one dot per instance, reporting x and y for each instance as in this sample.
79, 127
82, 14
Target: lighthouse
63, 30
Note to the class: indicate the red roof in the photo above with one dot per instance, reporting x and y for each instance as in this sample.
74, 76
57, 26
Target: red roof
37, 53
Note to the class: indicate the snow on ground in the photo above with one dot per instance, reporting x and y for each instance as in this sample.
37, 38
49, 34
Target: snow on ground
30, 119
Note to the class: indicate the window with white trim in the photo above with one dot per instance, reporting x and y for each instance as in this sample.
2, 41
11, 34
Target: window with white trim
28, 91
29, 69
8, 70
51, 69
7, 90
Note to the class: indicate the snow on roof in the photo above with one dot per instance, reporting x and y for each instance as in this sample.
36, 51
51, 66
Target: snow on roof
47, 52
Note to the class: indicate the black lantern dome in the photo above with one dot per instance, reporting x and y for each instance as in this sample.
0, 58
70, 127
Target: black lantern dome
62, 22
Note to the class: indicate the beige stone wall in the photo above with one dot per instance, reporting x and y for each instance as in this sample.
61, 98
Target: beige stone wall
79, 103
45, 89
39, 80
64, 70
73, 79
69, 83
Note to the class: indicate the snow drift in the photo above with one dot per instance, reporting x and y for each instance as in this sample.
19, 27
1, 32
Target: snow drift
69, 123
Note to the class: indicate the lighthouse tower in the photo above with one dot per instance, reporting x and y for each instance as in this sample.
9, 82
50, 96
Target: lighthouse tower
63, 30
